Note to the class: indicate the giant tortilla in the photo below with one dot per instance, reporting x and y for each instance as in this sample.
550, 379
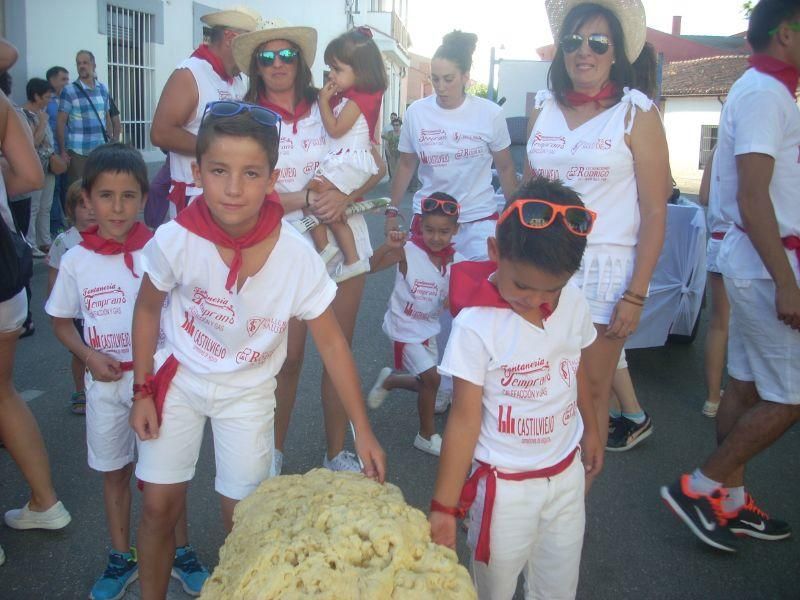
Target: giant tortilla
333, 535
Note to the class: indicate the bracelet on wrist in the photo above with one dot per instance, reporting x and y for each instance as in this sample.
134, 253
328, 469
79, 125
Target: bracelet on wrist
639, 297
391, 211
88, 354
308, 203
453, 511
631, 301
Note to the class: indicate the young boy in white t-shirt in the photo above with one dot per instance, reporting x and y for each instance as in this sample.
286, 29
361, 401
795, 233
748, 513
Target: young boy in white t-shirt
521, 411
232, 278
98, 281
417, 300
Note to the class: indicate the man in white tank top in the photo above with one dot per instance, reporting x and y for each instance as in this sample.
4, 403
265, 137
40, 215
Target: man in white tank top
208, 75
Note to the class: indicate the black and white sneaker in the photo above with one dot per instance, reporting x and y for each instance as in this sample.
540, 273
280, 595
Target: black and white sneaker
702, 514
754, 522
627, 434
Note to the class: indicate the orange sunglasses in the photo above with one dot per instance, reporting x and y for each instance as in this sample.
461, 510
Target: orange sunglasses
540, 214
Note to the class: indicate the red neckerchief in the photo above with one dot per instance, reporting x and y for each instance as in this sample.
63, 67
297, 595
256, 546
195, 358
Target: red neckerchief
369, 103
300, 109
470, 286
782, 71
203, 52
137, 237
198, 219
609, 90
445, 255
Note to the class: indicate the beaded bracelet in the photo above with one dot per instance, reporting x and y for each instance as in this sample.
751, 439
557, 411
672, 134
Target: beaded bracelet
635, 295
456, 512
391, 211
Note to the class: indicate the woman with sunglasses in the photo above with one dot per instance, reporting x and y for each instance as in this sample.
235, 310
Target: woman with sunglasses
606, 141
278, 62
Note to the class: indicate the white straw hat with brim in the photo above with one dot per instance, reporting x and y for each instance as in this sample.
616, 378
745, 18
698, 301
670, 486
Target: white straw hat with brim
630, 14
304, 38
237, 17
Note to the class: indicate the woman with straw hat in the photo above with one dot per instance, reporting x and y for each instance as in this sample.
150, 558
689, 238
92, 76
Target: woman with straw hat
606, 141
278, 59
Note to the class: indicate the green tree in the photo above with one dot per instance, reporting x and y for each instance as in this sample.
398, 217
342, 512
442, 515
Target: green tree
747, 8
479, 89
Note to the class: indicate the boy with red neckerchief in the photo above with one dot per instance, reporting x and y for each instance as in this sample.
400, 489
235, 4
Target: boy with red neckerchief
98, 281
521, 408
232, 278
416, 303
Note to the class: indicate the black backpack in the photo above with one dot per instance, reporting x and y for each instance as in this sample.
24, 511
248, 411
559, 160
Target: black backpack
16, 262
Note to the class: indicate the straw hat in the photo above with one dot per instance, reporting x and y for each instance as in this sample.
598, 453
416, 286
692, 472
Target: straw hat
304, 38
629, 12
237, 17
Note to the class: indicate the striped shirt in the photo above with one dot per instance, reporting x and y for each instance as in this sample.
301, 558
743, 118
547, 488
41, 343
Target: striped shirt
84, 130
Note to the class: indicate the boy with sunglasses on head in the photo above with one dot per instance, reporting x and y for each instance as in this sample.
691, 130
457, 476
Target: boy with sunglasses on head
521, 411
232, 278
417, 300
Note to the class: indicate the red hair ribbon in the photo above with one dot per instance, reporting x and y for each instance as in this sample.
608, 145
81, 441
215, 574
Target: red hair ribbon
364, 30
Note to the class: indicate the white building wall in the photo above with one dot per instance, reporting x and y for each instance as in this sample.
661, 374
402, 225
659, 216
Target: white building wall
516, 79
683, 118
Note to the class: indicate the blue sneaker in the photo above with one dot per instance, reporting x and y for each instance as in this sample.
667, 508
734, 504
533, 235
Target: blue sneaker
188, 569
121, 571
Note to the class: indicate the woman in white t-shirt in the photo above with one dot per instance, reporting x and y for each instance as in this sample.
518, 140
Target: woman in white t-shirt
277, 60
454, 137
18, 429
607, 142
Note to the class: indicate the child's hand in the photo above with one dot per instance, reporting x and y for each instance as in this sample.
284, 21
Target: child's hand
143, 419
396, 239
103, 367
443, 529
372, 455
327, 92
592, 454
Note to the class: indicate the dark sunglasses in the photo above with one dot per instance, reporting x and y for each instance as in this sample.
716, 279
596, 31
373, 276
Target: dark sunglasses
540, 214
266, 58
448, 207
598, 42
231, 108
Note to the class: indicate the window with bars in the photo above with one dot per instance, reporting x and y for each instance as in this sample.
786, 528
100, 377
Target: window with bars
708, 139
131, 71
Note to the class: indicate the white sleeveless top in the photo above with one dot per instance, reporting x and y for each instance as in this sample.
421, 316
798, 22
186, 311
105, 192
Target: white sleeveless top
594, 160
210, 88
417, 299
5, 211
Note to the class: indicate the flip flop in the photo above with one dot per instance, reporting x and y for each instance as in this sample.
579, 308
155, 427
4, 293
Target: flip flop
77, 403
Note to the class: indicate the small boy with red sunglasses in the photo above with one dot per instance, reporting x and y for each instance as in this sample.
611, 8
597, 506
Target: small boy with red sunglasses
522, 413
417, 301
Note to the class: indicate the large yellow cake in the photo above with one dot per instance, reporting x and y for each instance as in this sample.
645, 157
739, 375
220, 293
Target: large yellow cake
333, 535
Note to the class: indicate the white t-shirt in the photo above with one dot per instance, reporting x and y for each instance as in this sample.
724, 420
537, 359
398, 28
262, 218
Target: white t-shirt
215, 332
102, 291
528, 375
63, 242
759, 116
455, 147
417, 298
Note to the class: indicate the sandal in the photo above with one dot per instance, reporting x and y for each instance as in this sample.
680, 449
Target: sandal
77, 403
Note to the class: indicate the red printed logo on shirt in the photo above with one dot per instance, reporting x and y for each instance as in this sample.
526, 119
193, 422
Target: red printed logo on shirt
225, 95
104, 300
212, 310
287, 144
311, 167
568, 369
598, 144
117, 342
424, 289
547, 144
287, 173
266, 324
458, 136
598, 174
470, 152
548, 173
312, 142
204, 345
415, 314
432, 136
434, 160
248, 355
533, 430
526, 380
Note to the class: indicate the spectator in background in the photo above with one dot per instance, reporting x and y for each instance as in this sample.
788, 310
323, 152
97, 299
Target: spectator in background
57, 77
392, 139
84, 119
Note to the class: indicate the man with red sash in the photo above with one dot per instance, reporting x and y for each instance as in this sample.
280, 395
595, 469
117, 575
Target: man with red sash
209, 74
757, 166
522, 413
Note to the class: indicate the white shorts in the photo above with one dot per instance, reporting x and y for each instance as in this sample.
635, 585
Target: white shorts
538, 526
110, 441
603, 276
416, 358
470, 240
712, 252
13, 312
761, 348
242, 424
622, 363
358, 225
349, 170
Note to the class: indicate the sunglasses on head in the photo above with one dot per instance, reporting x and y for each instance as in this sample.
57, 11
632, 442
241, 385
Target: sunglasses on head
794, 26
540, 214
598, 42
231, 108
448, 207
266, 58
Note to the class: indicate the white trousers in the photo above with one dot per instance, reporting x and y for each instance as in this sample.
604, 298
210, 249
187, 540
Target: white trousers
537, 528
41, 202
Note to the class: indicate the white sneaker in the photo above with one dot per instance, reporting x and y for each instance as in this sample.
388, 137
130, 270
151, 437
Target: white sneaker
378, 393
344, 272
443, 400
431, 446
328, 253
277, 463
55, 517
344, 461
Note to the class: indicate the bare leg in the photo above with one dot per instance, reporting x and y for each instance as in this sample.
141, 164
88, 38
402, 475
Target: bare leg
162, 506
319, 235
345, 307
740, 397
603, 356
403, 382
78, 369
287, 380
227, 504
182, 529
346, 241
716, 337
426, 400
20, 433
117, 498
622, 387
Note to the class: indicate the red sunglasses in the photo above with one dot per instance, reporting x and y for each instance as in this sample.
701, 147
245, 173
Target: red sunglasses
448, 207
539, 214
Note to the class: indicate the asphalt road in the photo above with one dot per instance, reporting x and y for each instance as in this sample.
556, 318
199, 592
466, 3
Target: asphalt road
634, 548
